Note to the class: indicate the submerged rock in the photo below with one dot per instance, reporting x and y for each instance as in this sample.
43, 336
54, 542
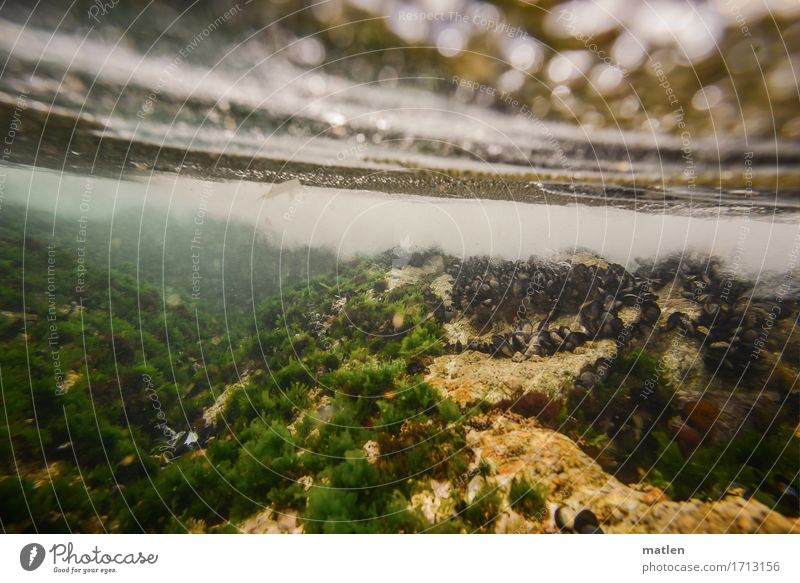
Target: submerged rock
520, 447
472, 376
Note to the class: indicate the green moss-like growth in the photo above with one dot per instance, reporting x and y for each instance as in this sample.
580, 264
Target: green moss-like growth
484, 509
528, 499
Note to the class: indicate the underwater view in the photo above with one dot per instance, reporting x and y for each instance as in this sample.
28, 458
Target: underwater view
400, 266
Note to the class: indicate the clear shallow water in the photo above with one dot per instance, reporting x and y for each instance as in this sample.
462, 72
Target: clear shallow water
353, 223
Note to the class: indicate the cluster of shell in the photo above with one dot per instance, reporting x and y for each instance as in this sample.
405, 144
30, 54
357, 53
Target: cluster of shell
530, 295
733, 325
517, 291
